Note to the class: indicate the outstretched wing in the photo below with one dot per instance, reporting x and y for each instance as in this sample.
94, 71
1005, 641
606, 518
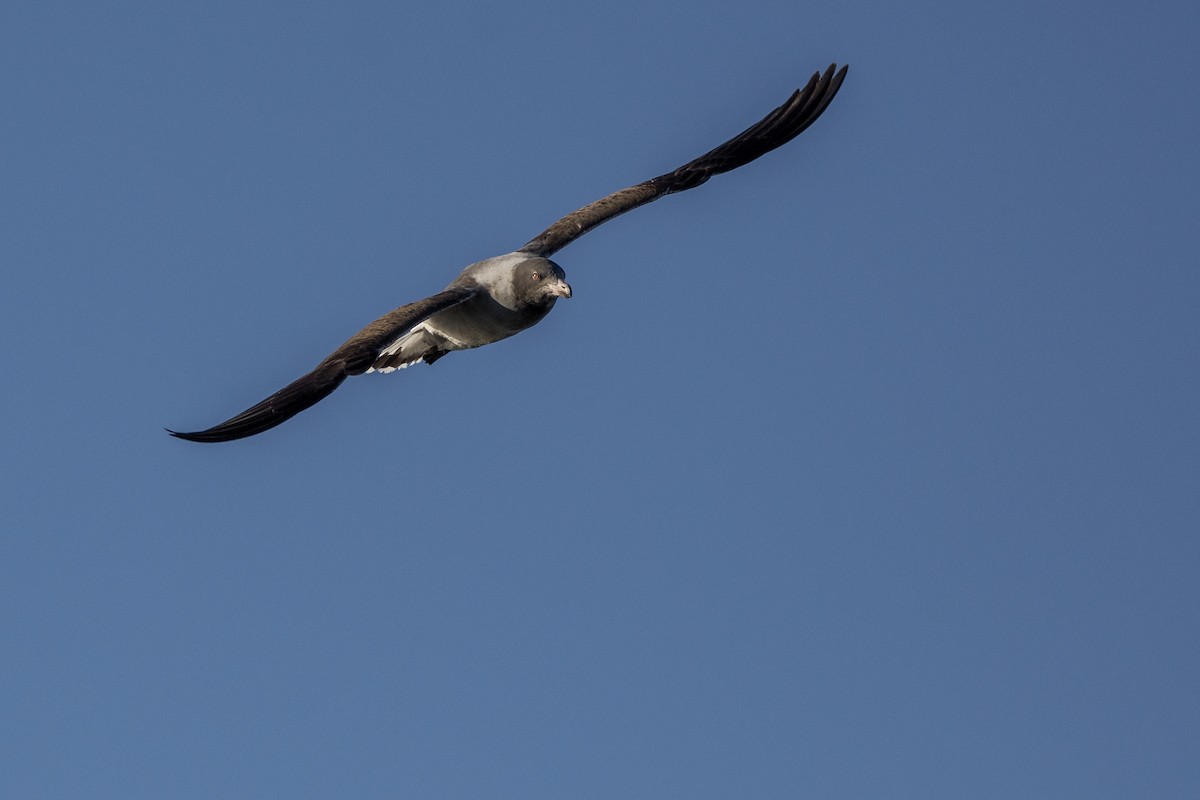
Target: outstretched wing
352, 358
777, 128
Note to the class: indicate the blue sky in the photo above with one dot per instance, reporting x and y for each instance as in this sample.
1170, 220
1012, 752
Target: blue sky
868, 470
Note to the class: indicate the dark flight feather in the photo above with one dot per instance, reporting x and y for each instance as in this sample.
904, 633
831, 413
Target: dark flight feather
352, 358
777, 128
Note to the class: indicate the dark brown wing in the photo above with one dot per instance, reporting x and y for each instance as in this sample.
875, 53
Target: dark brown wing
777, 128
352, 358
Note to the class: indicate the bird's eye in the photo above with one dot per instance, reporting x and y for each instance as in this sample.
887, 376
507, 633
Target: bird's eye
537, 276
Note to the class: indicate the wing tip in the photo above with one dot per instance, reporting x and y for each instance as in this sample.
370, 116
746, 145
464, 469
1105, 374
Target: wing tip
205, 437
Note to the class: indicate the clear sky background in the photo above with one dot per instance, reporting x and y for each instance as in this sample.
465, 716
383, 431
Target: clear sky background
871, 470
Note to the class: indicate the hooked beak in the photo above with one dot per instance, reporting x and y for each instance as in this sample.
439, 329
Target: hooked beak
560, 288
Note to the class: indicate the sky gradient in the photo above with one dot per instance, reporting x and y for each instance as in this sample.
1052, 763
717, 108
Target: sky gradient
871, 469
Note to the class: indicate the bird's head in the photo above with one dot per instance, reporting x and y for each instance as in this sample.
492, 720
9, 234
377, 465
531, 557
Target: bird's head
539, 282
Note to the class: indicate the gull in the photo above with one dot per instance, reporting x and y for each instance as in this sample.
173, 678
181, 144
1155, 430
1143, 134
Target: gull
501, 296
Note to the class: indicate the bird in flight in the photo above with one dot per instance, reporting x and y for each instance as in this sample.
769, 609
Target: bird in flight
501, 296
